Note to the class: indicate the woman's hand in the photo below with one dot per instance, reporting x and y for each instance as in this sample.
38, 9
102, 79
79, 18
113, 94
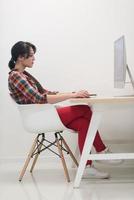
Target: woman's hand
65, 96
81, 94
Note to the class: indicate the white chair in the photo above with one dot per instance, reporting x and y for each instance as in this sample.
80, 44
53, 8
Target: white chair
42, 119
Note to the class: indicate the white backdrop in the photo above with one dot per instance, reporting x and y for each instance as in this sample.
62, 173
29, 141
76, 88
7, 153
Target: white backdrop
74, 40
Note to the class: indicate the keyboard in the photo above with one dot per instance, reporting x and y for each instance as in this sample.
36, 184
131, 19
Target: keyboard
125, 95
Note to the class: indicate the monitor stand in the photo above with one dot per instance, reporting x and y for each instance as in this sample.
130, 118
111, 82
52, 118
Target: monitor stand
130, 76
131, 81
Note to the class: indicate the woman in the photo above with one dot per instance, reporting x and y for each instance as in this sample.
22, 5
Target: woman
25, 89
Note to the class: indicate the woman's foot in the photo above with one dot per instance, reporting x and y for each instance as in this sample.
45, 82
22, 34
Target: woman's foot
112, 162
92, 172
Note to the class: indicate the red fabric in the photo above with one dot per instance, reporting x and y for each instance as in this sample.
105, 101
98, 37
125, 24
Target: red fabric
78, 118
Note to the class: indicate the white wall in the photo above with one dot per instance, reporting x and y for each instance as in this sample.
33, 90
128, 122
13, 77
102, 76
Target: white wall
74, 40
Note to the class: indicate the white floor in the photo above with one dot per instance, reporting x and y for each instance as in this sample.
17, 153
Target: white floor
48, 183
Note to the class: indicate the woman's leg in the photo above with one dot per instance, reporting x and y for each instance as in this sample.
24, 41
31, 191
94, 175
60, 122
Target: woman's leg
78, 118
81, 126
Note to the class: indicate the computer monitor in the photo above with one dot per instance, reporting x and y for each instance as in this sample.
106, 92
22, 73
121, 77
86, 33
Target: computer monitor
120, 64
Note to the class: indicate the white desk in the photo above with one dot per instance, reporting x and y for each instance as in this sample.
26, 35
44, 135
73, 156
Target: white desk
98, 106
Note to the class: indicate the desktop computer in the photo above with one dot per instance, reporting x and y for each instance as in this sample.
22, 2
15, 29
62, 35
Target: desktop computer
120, 65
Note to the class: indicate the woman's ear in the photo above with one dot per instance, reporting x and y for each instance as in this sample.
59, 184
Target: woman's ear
21, 58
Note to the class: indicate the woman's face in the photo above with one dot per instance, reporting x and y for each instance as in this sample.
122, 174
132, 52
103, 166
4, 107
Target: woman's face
28, 62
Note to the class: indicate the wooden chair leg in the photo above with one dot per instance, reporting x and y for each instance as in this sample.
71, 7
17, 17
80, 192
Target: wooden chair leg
63, 160
36, 157
27, 160
70, 152
77, 156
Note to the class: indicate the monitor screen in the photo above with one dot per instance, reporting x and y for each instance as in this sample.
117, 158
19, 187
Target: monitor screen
119, 63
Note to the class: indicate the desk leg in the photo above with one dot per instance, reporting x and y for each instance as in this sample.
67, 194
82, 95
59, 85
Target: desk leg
94, 124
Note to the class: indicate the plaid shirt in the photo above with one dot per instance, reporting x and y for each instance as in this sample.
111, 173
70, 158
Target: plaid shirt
25, 89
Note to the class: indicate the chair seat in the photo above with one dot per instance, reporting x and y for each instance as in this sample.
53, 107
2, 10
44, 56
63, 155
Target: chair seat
40, 118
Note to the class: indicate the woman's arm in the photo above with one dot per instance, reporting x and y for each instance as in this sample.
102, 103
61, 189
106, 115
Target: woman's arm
65, 96
22, 85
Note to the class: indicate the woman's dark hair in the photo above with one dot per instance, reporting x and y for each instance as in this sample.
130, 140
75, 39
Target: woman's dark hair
20, 49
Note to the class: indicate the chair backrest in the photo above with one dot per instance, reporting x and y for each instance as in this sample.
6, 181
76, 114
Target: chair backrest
39, 118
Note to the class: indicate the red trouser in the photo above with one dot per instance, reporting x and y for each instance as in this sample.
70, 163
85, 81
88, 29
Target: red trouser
78, 118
